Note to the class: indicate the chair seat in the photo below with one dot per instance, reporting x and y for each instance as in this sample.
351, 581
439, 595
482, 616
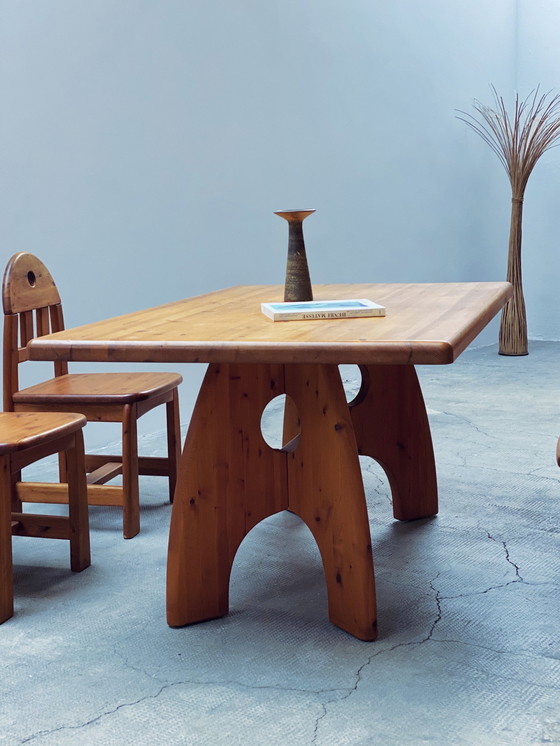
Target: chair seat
22, 430
99, 388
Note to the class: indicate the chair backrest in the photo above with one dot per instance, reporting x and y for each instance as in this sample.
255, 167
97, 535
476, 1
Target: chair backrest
32, 308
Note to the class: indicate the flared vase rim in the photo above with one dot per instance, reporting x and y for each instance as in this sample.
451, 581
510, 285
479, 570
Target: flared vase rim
294, 213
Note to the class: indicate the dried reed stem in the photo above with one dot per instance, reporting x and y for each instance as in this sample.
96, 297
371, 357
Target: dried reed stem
519, 143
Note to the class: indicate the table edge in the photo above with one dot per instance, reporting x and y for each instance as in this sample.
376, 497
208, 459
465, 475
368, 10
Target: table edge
417, 352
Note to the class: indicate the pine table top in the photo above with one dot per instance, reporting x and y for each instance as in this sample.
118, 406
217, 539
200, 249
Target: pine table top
428, 323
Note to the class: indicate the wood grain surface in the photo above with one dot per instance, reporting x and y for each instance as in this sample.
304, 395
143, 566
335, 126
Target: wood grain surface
428, 323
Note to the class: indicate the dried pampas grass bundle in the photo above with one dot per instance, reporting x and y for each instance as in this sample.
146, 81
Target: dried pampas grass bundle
518, 142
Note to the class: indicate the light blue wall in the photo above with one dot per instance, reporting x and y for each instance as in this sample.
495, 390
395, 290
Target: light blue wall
539, 63
146, 144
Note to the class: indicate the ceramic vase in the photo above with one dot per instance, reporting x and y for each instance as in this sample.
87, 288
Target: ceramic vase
298, 283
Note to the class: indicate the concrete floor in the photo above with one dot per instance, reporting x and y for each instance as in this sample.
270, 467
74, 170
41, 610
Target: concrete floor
469, 606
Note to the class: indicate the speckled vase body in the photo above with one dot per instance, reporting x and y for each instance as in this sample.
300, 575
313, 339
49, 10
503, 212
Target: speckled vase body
298, 283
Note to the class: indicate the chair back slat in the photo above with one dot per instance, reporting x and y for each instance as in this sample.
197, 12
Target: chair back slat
57, 318
26, 331
43, 321
57, 325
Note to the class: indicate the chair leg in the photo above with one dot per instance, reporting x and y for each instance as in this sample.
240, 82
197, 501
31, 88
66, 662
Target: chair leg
6, 570
17, 505
131, 495
173, 441
62, 467
80, 557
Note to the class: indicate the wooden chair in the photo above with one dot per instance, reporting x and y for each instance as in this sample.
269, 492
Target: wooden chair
32, 307
26, 437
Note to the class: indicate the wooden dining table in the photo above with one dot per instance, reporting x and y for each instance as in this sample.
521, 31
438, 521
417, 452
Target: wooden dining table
230, 479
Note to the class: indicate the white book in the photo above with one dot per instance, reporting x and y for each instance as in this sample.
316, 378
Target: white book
321, 309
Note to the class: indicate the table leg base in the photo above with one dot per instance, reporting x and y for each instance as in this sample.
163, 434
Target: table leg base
391, 426
326, 490
230, 479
